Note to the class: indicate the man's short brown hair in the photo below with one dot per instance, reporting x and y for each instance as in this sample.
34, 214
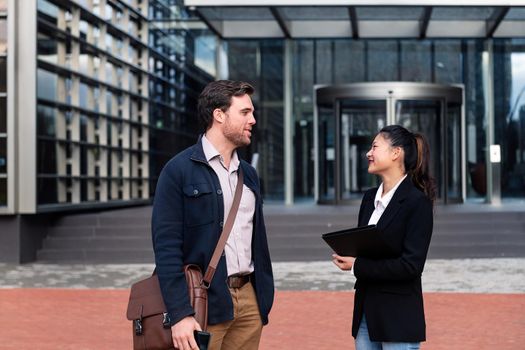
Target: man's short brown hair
218, 94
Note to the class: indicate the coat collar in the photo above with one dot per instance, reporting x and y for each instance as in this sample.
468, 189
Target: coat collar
393, 207
197, 153
252, 182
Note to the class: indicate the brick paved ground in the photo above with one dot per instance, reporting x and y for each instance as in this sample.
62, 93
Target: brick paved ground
56, 319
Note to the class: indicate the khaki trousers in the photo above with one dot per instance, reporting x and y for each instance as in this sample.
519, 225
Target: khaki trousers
244, 331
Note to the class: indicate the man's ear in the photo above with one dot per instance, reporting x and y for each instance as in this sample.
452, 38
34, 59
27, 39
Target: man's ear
218, 115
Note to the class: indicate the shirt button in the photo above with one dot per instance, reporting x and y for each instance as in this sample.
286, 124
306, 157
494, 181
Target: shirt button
219, 191
221, 224
195, 192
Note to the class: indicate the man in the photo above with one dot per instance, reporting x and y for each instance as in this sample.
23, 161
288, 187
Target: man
192, 200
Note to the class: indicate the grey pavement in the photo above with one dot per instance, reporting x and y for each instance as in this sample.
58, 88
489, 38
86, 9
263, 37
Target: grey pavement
499, 275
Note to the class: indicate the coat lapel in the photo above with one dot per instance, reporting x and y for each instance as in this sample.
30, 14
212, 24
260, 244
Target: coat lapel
395, 204
368, 209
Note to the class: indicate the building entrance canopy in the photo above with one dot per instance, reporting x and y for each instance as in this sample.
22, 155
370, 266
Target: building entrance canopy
362, 19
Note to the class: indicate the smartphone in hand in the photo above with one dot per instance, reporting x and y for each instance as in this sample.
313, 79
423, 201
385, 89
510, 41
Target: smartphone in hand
202, 338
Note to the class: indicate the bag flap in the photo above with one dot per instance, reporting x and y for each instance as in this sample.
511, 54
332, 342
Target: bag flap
145, 299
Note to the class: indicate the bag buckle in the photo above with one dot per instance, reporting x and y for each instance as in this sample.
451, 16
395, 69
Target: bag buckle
138, 326
166, 320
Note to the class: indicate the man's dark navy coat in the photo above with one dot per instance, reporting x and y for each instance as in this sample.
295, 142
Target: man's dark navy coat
187, 220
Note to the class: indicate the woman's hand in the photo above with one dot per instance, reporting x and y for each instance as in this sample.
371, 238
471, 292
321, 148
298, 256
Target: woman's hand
345, 263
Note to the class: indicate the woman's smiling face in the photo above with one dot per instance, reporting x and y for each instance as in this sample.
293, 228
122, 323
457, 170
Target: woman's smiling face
381, 155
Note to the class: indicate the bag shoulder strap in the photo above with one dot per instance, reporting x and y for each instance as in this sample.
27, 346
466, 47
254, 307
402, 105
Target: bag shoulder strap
212, 267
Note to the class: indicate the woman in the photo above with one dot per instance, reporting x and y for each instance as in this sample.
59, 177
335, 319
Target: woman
388, 304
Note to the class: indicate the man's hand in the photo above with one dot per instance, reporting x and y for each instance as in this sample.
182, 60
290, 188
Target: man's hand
345, 263
182, 334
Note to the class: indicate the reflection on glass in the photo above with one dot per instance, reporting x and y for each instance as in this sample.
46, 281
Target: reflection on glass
3, 74
205, 50
47, 48
46, 121
509, 119
47, 191
3, 191
424, 116
84, 96
49, 10
3, 115
360, 121
47, 157
46, 85
3, 36
3, 155
453, 151
326, 153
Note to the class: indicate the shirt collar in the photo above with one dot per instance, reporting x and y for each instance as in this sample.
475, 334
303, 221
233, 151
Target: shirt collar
384, 200
210, 152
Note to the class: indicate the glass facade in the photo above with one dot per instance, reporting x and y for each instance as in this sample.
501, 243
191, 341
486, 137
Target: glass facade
117, 84
261, 64
509, 89
117, 97
341, 61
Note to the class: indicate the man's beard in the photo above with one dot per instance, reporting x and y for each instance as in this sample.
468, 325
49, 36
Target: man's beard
234, 137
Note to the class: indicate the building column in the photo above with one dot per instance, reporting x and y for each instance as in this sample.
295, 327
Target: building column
288, 126
25, 106
493, 168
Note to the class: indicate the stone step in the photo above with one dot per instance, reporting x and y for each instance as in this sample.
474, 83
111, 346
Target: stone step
98, 256
97, 243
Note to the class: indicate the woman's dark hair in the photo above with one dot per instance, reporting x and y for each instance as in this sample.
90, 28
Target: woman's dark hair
218, 94
417, 157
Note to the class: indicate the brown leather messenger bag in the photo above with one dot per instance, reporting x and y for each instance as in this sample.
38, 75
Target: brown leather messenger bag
151, 324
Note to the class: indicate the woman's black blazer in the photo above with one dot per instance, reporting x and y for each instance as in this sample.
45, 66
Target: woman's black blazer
388, 290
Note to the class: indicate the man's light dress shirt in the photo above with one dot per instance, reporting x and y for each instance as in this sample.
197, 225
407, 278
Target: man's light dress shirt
238, 247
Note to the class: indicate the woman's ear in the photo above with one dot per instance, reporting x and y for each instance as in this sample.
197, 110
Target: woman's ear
396, 153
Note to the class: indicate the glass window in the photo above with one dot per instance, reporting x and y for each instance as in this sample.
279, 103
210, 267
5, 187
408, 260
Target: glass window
509, 113
3, 155
205, 50
109, 103
47, 190
109, 73
84, 96
324, 67
83, 29
3, 74
46, 85
3, 191
46, 121
83, 64
3, 116
48, 10
3, 36
416, 61
383, 60
447, 61
47, 48
109, 42
47, 157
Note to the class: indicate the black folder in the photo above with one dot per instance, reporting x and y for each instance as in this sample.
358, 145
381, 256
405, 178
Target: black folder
365, 241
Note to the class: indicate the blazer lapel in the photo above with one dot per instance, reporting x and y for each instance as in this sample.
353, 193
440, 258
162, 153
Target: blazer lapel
368, 210
395, 204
